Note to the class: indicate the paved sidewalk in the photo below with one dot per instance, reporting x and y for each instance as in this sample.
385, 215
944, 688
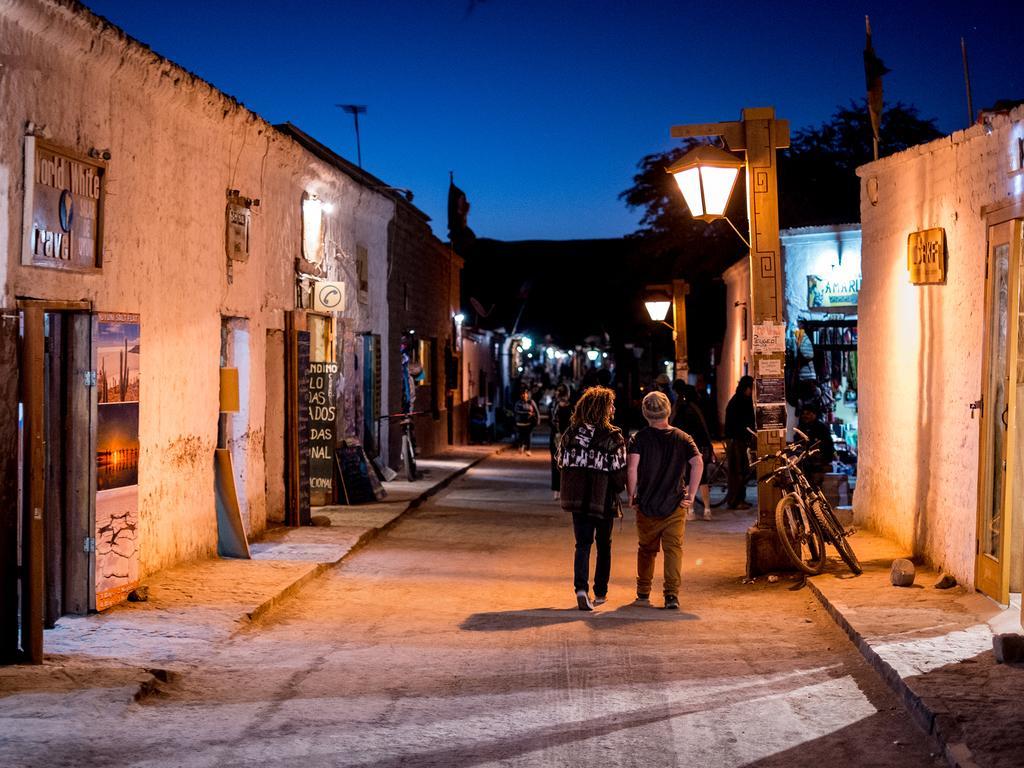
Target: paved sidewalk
128, 649
934, 648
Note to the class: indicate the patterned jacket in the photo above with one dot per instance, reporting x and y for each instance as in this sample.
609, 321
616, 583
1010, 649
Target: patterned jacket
593, 465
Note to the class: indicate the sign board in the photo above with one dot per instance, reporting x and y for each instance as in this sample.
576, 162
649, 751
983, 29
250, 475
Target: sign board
832, 293
769, 366
771, 390
770, 416
322, 415
769, 338
358, 483
926, 256
328, 296
64, 194
302, 426
238, 221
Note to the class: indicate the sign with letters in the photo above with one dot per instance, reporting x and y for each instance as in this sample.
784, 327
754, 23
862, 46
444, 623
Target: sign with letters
238, 220
323, 414
64, 195
831, 292
926, 256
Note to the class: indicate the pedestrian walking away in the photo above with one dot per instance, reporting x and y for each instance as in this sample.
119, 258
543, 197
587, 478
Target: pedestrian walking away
559, 416
739, 420
663, 472
592, 459
527, 416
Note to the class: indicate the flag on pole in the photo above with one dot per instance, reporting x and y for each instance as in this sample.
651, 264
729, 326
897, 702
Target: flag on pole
874, 69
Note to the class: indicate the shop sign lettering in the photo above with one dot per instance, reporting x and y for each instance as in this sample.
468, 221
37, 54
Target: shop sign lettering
322, 417
823, 292
64, 207
926, 256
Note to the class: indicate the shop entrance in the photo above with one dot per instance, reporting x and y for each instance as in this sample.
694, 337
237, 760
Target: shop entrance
55, 543
1000, 560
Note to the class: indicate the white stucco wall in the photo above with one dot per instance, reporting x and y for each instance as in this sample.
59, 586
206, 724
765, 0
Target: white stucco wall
177, 145
921, 346
735, 349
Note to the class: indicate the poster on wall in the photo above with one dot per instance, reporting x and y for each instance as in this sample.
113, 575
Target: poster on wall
832, 293
116, 350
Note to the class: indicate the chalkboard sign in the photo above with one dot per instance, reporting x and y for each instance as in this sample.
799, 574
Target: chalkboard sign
302, 425
322, 412
358, 483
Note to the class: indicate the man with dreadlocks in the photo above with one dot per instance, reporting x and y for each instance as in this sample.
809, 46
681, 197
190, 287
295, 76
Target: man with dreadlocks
592, 460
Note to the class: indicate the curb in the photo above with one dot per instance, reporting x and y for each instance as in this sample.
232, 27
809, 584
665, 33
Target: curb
933, 720
365, 538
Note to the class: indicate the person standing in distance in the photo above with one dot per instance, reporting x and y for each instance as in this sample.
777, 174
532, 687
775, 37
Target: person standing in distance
739, 418
527, 416
663, 472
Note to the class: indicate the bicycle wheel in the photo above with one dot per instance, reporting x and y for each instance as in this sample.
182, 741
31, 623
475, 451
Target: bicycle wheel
835, 533
408, 458
800, 535
718, 482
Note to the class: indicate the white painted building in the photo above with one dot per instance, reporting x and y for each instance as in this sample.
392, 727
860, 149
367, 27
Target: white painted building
176, 298
941, 371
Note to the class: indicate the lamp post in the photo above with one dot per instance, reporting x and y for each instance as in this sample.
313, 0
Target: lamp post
660, 299
706, 177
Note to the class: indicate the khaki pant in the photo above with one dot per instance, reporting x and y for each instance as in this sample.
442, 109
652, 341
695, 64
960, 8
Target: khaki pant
665, 533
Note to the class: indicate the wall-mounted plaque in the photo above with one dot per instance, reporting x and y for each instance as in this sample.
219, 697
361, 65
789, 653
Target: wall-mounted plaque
63, 207
926, 256
239, 219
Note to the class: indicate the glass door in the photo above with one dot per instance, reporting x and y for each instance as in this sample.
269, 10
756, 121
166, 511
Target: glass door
999, 450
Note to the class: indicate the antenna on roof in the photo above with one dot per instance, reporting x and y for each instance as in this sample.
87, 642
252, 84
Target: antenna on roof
355, 110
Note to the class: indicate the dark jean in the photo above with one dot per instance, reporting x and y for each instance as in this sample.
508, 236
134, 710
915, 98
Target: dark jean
738, 465
588, 530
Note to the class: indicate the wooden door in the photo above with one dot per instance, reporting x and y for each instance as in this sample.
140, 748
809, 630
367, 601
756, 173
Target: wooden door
999, 468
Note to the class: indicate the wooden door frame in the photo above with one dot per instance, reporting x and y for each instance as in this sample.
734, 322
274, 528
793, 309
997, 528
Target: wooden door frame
992, 577
31, 376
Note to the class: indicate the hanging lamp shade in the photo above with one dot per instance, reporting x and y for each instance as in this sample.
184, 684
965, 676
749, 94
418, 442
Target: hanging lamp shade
706, 176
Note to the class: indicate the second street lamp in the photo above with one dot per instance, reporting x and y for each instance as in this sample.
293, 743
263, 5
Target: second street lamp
659, 300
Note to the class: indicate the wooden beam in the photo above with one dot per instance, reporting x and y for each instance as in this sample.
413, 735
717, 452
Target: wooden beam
32, 581
8, 487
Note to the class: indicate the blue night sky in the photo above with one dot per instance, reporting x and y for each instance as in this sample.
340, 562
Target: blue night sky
542, 108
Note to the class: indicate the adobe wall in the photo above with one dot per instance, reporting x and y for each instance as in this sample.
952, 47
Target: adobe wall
177, 145
921, 346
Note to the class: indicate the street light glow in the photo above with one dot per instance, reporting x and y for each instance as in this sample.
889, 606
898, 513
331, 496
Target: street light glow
658, 309
526, 343
706, 176
460, 318
592, 355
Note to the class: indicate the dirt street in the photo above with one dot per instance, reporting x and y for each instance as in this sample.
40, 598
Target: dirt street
454, 641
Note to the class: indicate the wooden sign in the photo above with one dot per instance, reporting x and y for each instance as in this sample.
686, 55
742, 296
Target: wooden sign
926, 256
64, 195
358, 484
322, 416
238, 219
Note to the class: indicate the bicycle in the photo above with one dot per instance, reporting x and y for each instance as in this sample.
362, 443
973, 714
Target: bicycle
804, 518
408, 452
718, 477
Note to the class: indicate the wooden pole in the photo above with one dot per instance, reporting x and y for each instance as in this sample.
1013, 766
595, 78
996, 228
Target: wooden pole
32, 582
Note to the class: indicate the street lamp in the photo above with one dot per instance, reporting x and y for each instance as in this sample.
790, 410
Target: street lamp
706, 177
659, 301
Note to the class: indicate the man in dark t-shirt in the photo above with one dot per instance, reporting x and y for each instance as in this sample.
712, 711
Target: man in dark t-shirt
663, 472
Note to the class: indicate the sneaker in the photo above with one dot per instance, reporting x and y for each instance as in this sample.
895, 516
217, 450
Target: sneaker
644, 600
556, 495
583, 601
529, 453
741, 505
708, 515
671, 603
690, 515
600, 599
